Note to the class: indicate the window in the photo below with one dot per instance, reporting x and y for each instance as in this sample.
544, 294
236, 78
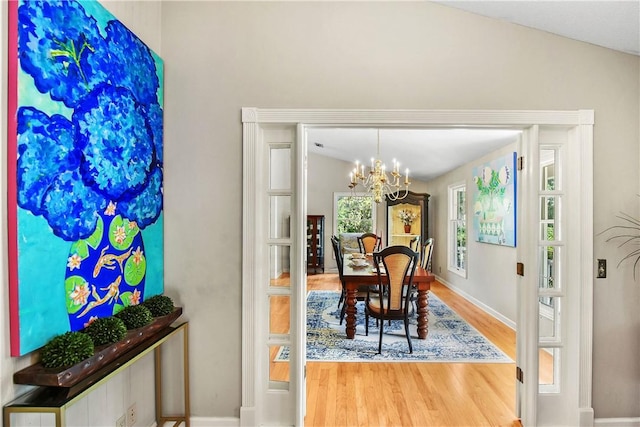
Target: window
458, 229
353, 213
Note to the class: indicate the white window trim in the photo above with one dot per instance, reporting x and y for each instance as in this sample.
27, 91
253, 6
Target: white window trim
451, 264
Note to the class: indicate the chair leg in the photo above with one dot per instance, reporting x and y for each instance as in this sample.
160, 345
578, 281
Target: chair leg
406, 331
342, 296
380, 340
366, 323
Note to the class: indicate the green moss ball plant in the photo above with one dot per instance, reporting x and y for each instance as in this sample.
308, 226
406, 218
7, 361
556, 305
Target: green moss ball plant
135, 316
106, 330
159, 305
66, 350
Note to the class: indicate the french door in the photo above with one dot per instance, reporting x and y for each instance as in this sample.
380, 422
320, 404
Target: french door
274, 266
554, 255
555, 275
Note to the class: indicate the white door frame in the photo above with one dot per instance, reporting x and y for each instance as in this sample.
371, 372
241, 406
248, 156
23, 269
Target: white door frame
256, 119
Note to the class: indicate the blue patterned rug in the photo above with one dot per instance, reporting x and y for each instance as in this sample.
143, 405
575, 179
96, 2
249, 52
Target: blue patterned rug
450, 338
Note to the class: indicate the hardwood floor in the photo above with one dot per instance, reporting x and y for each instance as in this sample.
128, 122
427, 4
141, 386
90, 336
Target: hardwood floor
415, 394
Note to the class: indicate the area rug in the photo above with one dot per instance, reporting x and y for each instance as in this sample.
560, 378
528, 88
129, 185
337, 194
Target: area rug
450, 338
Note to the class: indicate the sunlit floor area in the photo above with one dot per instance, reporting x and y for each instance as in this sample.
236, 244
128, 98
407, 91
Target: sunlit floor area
405, 393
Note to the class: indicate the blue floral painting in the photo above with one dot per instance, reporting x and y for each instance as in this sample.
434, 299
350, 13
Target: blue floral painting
85, 166
494, 201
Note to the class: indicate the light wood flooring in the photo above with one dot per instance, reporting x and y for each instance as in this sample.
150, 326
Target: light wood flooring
413, 394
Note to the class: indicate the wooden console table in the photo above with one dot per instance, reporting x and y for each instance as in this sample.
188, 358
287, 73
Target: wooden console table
56, 400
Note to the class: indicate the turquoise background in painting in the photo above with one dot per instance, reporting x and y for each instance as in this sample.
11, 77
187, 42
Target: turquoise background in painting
41, 270
42, 256
153, 237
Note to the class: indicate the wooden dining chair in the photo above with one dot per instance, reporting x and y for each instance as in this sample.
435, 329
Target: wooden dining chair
337, 252
425, 262
392, 300
425, 254
362, 291
369, 243
414, 244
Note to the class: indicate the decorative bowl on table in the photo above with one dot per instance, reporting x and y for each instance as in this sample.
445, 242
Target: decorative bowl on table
359, 263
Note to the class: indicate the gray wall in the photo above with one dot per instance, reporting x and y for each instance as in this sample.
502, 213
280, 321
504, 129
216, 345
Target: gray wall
221, 56
490, 280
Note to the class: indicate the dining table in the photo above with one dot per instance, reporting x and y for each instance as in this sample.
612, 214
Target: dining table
357, 275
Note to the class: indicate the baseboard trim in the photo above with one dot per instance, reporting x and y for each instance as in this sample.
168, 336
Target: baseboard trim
215, 422
482, 306
617, 422
235, 422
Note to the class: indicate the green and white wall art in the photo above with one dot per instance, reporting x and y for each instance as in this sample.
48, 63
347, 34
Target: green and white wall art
494, 201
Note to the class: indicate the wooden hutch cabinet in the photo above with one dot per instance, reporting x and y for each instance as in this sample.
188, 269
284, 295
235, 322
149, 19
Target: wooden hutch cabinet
315, 244
397, 233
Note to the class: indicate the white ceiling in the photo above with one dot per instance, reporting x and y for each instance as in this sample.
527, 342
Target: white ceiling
430, 153
609, 23
427, 153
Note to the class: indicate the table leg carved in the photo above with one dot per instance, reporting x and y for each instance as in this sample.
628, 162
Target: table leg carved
423, 310
350, 300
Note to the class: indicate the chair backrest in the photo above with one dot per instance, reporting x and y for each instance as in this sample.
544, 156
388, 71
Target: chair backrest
335, 242
399, 262
369, 243
414, 244
425, 254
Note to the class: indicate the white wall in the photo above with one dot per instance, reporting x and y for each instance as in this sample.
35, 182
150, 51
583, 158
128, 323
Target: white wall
222, 56
490, 280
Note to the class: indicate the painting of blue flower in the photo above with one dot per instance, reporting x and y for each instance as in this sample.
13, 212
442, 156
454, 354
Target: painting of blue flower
86, 169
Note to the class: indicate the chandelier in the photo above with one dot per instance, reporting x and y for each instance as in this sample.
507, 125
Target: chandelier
377, 182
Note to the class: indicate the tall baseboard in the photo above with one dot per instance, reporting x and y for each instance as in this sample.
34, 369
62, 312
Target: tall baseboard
617, 422
214, 422
490, 311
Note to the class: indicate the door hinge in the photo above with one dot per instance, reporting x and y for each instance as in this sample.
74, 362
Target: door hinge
519, 374
520, 163
520, 269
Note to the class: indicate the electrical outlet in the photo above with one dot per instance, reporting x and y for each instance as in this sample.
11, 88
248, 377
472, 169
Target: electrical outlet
122, 421
602, 269
132, 415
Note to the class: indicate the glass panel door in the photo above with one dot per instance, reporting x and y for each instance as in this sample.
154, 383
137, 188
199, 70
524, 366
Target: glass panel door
278, 251
550, 261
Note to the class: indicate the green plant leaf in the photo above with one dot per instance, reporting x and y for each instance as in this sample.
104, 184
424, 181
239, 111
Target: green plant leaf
121, 232
125, 297
117, 308
134, 272
70, 285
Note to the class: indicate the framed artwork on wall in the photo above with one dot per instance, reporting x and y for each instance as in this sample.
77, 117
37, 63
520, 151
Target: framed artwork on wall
85, 169
494, 201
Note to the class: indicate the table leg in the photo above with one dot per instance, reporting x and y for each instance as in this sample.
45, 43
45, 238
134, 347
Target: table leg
423, 310
351, 312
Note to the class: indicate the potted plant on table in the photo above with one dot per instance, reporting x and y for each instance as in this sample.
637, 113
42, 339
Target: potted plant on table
407, 217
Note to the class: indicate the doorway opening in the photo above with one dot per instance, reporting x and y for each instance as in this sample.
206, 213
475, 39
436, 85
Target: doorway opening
332, 145
567, 134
